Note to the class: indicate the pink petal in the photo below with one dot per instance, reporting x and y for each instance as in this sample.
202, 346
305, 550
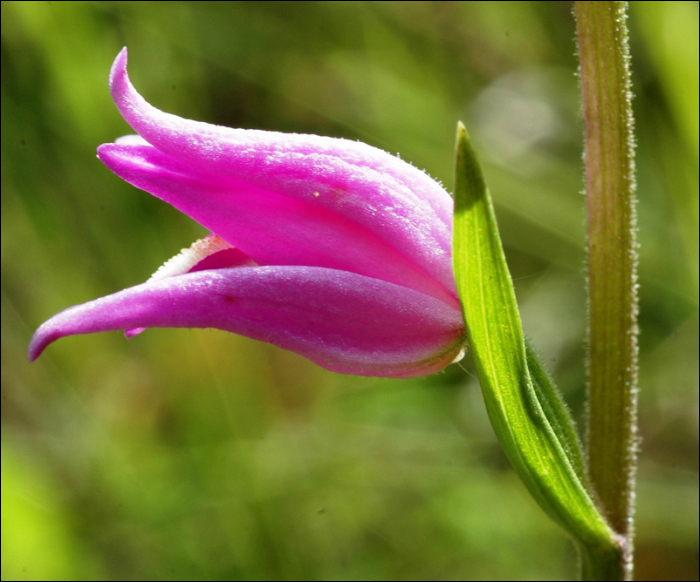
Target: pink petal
344, 322
373, 189
271, 228
222, 260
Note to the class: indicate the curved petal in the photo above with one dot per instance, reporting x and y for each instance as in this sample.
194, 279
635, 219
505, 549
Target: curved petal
270, 228
344, 322
370, 187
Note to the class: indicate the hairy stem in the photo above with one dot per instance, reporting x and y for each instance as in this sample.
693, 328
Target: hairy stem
612, 260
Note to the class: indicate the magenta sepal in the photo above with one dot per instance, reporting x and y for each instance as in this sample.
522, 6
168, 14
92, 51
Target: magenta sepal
344, 322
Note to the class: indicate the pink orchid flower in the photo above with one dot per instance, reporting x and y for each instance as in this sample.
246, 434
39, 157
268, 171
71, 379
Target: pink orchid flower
326, 247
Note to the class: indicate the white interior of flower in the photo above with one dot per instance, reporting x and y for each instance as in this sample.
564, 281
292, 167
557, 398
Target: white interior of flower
188, 258
131, 140
460, 355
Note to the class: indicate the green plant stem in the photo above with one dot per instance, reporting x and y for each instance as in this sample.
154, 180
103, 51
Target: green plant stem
612, 259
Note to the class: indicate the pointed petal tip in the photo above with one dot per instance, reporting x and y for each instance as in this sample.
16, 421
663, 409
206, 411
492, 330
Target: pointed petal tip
103, 151
42, 337
119, 65
123, 93
129, 333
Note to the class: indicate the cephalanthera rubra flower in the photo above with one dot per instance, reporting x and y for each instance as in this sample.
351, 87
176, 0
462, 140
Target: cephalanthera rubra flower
327, 247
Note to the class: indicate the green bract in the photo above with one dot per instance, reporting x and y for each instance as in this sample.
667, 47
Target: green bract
527, 413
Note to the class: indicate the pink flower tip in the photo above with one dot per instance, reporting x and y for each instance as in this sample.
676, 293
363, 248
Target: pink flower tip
327, 247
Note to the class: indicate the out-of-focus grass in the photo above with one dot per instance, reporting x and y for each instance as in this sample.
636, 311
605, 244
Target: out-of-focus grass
185, 454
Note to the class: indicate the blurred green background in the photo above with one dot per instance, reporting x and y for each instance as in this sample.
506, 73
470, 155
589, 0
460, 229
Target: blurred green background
196, 454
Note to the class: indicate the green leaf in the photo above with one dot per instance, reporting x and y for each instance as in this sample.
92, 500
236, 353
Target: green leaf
529, 418
557, 412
